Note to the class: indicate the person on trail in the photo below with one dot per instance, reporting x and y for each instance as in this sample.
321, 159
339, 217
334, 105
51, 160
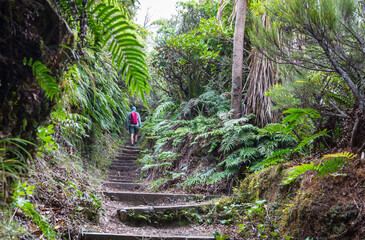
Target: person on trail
132, 124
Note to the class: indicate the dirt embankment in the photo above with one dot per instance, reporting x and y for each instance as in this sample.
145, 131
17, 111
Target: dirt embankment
316, 208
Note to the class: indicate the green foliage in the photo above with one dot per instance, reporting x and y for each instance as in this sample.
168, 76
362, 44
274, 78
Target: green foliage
45, 80
324, 57
163, 159
241, 143
48, 144
19, 201
13, 156
217, 236
90, 202
333, 164
93, 101
193, 52
296, 127
111, 25
9, 229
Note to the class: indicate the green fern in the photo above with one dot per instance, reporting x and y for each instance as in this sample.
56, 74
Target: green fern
162, 108
272, 159
46, 81
199, 178
333, 164
120, 37
296, 115
13, 156
299, 170
219, 176
309, 140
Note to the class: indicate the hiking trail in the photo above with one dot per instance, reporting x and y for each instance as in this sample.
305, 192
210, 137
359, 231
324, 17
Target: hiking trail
134, 213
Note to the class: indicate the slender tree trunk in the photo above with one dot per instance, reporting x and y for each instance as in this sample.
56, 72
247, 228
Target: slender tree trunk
239, 33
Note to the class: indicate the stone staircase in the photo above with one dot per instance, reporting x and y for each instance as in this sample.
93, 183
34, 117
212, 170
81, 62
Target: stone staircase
141, 208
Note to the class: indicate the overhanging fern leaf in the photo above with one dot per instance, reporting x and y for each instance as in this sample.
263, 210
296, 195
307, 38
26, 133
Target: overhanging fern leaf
46, 81
120, 36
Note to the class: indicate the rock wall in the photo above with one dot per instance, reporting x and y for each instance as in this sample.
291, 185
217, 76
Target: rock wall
28, 29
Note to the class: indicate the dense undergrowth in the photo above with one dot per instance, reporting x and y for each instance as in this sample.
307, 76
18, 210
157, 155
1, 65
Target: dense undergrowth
210, 148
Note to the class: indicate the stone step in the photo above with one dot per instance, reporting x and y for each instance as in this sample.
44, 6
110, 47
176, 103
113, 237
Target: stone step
162, 214
130, 151
124, 154
128, 147
127, 164
130, 157
121, 181
123, 168
123, 178
124, 173
124, 161
111, 236
142, 198
125, 186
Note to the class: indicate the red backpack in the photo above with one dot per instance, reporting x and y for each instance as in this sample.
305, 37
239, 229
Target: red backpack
134, 118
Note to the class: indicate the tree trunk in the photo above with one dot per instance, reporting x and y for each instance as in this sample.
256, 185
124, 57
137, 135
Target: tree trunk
239, 33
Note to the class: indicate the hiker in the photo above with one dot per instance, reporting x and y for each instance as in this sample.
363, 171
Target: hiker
133, 123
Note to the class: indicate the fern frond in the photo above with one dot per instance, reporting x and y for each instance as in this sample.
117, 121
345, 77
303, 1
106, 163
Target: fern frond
121, 37
297, 114
219, 176
163, 107
46, 81
334, 163
199, 178
272, 128
297, 171
340, 155
309, 140
155, 165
